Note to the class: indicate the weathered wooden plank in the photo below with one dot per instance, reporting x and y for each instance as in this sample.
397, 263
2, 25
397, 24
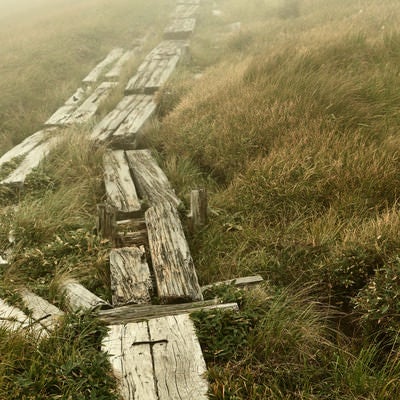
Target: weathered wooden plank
239, 282
132, 239
47, 314
26, 145
130, 355
186, 11
90, 106
115, 72
98, 70
180, 28
64, 113
179, 366
157, 67
32, 160
78, 298
121, 125
151, 182
135, 313
174, 271
120, 189
12, 318
130, 276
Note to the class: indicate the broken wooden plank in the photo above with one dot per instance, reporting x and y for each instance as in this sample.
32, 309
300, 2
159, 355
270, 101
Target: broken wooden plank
122, 125
179, 366
151, 182
26, 145
32, 160
130, 276
185, 11
180, 28
90, 106
115, 72
239, 282
12, 318
135, 313
130, 354
42, 311
98, 70
64, 113
120, 189
157, 67
78, 298
173, 266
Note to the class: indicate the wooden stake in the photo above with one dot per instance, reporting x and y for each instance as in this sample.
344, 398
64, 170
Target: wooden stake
106, 222
199, 209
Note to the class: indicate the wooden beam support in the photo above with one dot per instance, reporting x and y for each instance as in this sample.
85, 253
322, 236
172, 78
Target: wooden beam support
174, 271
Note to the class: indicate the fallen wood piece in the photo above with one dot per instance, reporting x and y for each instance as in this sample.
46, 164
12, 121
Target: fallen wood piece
120, 189
132, 224
130, 352
179, 366
157, 67
239, 282
98, 70
32, 160
151, 182
135, 313
64, 113
90, 106
130, 276
122, 125
106, 221
198, 209
47, 314
12, 318
180, 28
186, 11
116, 71
26, 145
78, 298
132, 239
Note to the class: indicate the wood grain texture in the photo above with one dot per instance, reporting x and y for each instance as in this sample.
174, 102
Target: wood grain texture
173, 267
99, 69
78, 298
90, 106
180, 28
41, 310
180, 369
130, 276
12, 318
238, 282
32, 160
120, 189
151, 182
131, 360
136, 313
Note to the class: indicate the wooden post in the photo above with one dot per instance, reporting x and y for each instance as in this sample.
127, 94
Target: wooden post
199, 209
106, 222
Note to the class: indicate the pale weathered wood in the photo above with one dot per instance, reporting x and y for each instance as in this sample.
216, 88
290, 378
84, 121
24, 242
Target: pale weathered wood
32, 160
199, 208
130, 239
12, 318
239, 282
186, 10
90, 106
151, 182
122, 125
135, 313
26, 145
180, 28
41, 310
115, 72
78, 298
130, 276
157, 67
98, 70
130, 353
3, 262
120, 189
106, 221
64, 113
174, 271
179, 366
